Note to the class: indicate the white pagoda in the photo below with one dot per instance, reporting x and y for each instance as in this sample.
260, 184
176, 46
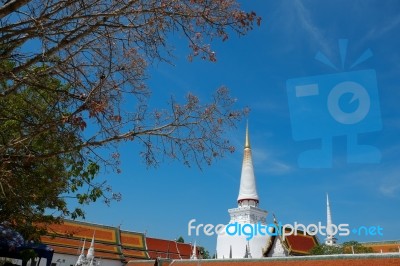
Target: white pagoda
247, 212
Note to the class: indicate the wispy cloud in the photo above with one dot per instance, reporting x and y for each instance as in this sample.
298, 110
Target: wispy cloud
297, 20
266, 160
390, 189
390, 174
269, 162
383, 28
304, 19
384, 179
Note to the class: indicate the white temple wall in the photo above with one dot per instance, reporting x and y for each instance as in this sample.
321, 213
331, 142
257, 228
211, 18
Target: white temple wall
70, 260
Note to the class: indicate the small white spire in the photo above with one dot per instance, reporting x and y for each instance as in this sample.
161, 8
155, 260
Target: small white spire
81, 257
194, 252
248, 190
330, 238
90, 254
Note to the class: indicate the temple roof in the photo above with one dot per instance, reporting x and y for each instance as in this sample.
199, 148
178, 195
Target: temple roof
300, 244
111, 242
248, 190
159, 248
295, 245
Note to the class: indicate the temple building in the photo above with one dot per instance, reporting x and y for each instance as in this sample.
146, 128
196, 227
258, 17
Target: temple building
109, 245
73, 243
81, 243
248, 216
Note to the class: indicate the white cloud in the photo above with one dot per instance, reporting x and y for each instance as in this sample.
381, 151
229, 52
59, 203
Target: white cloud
266, 162
295, 23
390, 190
390, 182
383, 179
379, 30
266, 159
304, 19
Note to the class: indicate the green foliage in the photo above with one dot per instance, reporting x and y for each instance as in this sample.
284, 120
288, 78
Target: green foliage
326, 250
204, 254
180, 240
41, 163
345, 248
358, 248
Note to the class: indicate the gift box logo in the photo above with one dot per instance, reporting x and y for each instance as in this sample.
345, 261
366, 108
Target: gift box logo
344, 103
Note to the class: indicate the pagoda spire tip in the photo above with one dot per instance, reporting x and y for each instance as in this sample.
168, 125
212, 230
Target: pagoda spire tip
247, 143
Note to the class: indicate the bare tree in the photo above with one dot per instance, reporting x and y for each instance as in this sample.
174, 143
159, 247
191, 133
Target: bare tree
101, 49
97, 52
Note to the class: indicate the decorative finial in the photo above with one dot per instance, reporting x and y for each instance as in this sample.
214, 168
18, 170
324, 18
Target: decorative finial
247, 143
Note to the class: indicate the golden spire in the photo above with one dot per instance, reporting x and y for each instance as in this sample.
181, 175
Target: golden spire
247, 190
247, 143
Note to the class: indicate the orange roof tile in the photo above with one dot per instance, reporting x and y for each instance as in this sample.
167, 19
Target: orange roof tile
300, 244
111, 242
296, 244
160, 248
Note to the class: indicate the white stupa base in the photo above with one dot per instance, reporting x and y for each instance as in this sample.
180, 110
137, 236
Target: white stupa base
236, 244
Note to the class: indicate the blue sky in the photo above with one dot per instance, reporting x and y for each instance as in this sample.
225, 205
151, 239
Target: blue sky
161, 201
